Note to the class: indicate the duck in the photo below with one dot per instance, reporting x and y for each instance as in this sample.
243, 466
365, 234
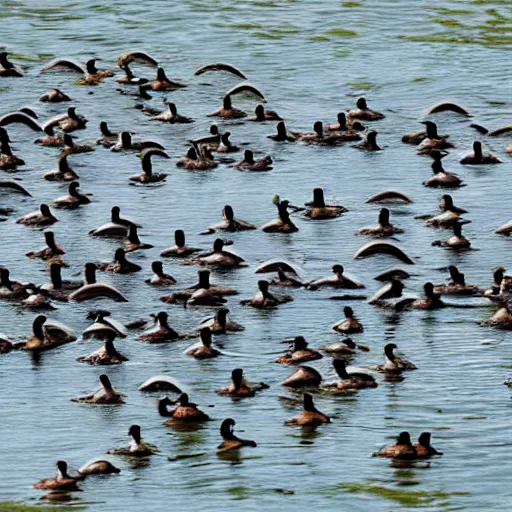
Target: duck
212, 140
42, 217
129, 78
72, 148
171, 116
347, 347
51, 139
250, 164
450, 215
69, 122
457, 285
346, 127
13, 289
283, 279
125, 143
54, 96
8, 161
432, 300
226, 146
433, 141
194, 162
132, 242
352, 380
63, 171
116, 228
264, 299
38, 300
299, 353
203, 349
180, 249
318, 210
137, 448
363, 112
310, 416
230, 441
383, 228
393, 273
402, 449
318, 136
392, 362
7, 68
161, 332
98, 467
221, 324
423, 448
261, 114
45, 337
120, 264
497, 274
59, 289
94, 290
337, 280
502, 319
104, 326
106, 395
303, 376
109, 138
350, 324
393, 290
160, 278
442, 178
106, 355
478, 157
429, 133
228, 111
283, 223
61, 482
162, 83
238, 387
52, 250
185, 412
217, 257
230, 223
74, 199
455, 242
282, 135
369, 142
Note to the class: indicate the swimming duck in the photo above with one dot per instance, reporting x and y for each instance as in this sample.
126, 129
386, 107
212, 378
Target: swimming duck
132, 242
72, 148
185, 412
457, 285
478, 157
54, 96
392, 362
285, 280
264, 299
106, 395
162, 83
250, 164
13, 289
299, 353
171, 116
497, 274
217, 257
194, 162
369, 143
52, 139
7, 68
310, 416
423, 448
282, 135
162, 332
137, 448
228, 111
41, 217
350, 324
231, 441
392, 290
98, 467
160, 278
402, 449
74, 199
93, 290
58, 288
69, 122
220, 324
38, 300
8, 161
203, 349
457, 241
104, 326
345, 348
109, 138
352, 380
61, 482
429, 133
63, 171
318, 136
212, 140
338, 280
303, 376
226, 146
106, 355
502, 319
116, 228
383, 228
125, 143
431, 300
441, 177
283, 224
45, 337
347, 127
317, 209
180, 249
450, 215
363, 112
130, 78
120, 264
93, 75
433, 141
51, 251
262, 114
230, 223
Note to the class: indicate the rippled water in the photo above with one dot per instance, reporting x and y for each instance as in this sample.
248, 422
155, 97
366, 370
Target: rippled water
311, 60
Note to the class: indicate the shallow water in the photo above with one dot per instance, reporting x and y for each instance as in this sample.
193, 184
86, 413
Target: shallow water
311, 62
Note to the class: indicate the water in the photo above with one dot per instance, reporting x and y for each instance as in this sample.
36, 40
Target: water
311, 61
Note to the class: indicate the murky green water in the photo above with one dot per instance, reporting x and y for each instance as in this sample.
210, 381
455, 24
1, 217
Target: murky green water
311, 60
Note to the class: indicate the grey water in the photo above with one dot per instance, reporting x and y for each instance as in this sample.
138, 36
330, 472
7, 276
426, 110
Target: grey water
311, 60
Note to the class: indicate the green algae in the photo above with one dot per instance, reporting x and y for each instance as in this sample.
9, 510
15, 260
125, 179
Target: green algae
340, 32
11, 506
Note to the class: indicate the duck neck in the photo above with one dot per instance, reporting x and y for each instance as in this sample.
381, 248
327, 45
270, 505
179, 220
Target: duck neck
55, 276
